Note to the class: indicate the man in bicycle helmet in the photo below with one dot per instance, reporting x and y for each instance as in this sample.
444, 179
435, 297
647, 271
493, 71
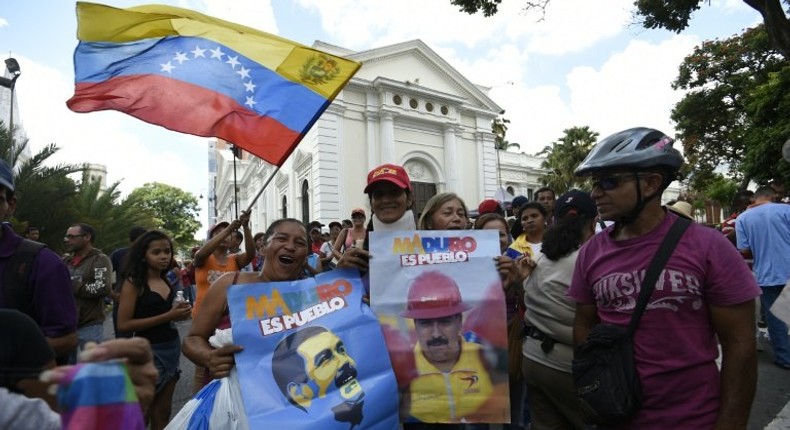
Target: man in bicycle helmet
705, 291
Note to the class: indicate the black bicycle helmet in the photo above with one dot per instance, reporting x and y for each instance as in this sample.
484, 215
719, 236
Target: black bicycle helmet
633, 149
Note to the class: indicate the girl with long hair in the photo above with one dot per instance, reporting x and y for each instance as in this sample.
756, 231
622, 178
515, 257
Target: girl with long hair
147, 309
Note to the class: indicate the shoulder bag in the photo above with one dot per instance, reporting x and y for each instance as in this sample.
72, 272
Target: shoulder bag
604, 370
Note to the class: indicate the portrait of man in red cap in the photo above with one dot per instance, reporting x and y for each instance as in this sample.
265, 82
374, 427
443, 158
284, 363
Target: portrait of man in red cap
452, 381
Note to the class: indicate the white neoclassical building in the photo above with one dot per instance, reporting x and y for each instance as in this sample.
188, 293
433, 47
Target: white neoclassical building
406, 105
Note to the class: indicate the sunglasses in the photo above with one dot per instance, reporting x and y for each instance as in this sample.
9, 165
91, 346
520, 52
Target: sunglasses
608, 183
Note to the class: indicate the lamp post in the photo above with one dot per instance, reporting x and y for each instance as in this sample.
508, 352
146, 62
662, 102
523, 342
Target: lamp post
13, 67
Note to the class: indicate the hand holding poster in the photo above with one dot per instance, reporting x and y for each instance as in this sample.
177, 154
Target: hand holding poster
314, 355
440, 302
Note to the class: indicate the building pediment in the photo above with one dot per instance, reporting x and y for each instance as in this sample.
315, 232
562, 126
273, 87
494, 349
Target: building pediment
416, 65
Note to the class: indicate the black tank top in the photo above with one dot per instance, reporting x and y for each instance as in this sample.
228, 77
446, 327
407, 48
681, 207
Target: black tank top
151, 304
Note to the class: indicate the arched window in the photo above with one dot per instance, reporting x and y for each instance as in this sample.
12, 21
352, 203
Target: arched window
285, 207
305, 203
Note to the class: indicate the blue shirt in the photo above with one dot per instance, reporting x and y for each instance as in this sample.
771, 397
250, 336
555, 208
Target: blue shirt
765, 230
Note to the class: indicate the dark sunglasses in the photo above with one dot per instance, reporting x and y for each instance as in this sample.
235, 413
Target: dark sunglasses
608, 183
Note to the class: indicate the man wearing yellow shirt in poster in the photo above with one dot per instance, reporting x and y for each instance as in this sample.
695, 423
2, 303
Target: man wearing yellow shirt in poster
452, 383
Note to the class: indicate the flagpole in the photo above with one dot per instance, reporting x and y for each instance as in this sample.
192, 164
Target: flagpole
235, 185
255, 199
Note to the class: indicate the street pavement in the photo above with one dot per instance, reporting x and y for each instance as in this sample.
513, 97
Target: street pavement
770, 410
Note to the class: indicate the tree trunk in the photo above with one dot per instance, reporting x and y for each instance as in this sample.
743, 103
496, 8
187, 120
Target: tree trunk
776, 23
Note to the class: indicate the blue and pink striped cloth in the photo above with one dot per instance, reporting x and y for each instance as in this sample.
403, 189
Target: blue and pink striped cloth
97, 396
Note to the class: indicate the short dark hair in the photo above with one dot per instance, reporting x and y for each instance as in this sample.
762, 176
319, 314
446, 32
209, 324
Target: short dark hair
9, 194
287, 365
237, 234
258, 236
86, 229
136, 232
31, 228
543, 190
491, 216
273, 226
766, 191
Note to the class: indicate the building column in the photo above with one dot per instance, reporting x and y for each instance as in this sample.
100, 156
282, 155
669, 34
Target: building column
387, 126
452, 165
373, 154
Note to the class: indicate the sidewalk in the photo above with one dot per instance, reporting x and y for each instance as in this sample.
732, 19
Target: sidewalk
771, 407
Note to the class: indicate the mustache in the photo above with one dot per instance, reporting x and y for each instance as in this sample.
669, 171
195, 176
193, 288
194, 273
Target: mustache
346, 373
438, 341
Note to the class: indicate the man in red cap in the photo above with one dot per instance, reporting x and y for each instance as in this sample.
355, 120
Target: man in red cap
452, 382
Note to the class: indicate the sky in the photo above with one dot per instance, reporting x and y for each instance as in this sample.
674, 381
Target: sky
582, 64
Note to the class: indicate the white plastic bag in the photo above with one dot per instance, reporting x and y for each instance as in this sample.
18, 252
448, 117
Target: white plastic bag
218, 406
228, 412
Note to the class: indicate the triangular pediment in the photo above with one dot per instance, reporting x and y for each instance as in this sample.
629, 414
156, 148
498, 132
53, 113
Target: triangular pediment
416, 64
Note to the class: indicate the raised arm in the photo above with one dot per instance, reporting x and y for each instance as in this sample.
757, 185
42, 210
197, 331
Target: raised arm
246, 257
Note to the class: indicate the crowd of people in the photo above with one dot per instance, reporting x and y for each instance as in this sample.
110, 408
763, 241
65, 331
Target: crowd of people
567, 264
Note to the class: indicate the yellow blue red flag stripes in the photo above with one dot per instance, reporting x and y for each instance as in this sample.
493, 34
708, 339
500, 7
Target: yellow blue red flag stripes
196, 74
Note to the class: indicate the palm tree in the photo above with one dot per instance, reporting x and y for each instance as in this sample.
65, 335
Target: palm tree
499, 128
564, 155
111, 219
44, 193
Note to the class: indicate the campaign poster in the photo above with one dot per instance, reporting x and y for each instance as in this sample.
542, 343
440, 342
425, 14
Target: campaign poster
314, 355
439, 299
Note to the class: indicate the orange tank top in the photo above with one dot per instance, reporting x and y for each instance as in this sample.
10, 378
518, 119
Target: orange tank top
208, 273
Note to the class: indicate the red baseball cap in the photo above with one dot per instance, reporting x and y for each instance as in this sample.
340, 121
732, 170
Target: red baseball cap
390, 173
488, 206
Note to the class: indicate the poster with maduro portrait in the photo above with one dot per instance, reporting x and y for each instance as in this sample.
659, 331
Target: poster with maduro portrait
439, 299
314, 355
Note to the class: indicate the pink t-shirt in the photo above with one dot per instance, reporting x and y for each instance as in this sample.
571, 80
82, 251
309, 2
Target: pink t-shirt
675, 346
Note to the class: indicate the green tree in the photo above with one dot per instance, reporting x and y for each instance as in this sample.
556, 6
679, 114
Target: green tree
564, 155
720, 78
108, 215
175, 211
44, 193
499, 128
670, 15
675, 16
769, 110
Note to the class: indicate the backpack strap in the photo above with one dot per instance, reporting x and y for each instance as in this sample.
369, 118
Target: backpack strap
16, 276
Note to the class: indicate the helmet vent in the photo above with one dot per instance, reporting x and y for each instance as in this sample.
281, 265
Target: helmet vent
622, 145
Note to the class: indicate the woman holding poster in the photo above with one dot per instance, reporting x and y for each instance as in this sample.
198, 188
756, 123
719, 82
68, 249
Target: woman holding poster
390, 194
439, 322
285, 256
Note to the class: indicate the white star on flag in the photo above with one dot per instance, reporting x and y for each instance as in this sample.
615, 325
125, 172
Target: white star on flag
250, 102
217, 53
181, 57
167, 67
244, 73
233, 61
198, 52
250, 86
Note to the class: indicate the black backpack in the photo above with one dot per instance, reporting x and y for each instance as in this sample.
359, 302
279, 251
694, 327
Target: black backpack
16, 276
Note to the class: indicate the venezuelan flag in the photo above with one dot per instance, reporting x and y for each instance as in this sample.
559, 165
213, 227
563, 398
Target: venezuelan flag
200, 75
